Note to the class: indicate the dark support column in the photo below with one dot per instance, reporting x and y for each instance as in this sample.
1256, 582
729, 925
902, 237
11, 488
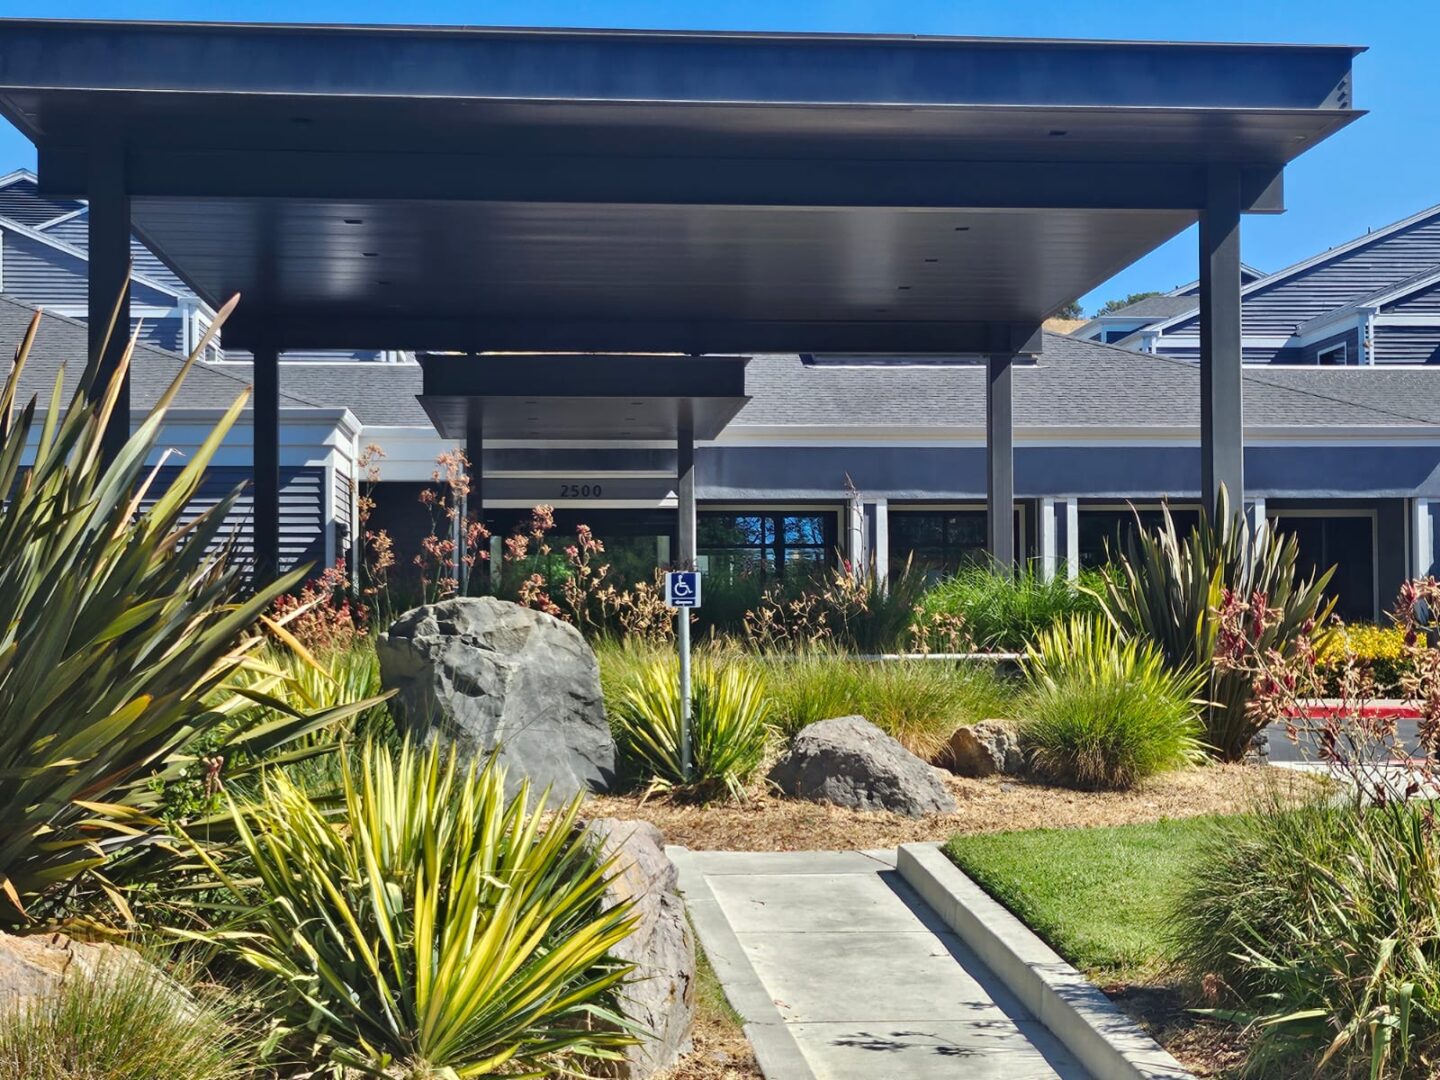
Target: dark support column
1221, 429
475, 501
999, 462
109, 283
685, 489
267, 464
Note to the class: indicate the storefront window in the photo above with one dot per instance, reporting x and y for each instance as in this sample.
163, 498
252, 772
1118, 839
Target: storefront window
1347, 544
936, 542
1115, 527
768, 544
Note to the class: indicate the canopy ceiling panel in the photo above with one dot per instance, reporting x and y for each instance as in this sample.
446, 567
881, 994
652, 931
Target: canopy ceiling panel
453, 188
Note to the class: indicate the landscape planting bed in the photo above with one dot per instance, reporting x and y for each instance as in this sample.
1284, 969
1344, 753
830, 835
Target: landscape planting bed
767, 823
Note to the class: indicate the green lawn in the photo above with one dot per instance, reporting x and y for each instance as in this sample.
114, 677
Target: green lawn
1099, 897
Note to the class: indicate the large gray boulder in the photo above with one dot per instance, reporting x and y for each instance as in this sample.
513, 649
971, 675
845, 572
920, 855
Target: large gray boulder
661, 994
490, 674
850, 762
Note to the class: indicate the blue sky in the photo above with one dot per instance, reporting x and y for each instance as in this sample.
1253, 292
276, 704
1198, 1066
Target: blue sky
1384, 167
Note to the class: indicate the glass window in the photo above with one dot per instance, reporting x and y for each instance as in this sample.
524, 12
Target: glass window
1115, 527
1347, 544
1337, 356
937, 542
765, 544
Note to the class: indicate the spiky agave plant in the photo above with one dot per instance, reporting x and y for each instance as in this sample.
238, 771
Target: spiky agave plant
1168, 589
433, 928
729, 726
119, 621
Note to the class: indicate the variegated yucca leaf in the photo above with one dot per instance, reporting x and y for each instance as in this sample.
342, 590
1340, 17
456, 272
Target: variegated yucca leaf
429, 926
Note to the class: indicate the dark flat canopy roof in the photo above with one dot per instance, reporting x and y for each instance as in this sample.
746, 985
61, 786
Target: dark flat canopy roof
450, 188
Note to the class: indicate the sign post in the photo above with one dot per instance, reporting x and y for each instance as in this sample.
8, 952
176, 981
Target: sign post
682, 592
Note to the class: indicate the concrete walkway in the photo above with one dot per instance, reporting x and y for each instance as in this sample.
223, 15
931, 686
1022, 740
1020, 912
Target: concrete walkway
841, 972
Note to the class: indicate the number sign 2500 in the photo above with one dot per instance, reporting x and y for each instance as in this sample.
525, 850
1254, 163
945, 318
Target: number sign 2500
580, 491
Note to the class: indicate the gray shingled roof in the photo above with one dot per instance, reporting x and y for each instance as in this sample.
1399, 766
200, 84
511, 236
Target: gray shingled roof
64, 341
1077, 384
380, 395
1400, 286
1151, 307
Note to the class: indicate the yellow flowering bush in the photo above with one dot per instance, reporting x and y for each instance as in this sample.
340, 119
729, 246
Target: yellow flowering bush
1380, 649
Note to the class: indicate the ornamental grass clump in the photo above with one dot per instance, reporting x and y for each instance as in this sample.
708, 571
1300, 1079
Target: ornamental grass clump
918, 702
729, 727
1318, 928
1102, 712
432, 927
1004, 612
126, 1023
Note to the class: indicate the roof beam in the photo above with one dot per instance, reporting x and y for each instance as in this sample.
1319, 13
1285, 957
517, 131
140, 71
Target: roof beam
318, 331
638, 180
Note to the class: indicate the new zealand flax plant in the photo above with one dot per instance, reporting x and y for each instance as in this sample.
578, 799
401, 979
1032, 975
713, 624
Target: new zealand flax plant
121, 627
1169, 590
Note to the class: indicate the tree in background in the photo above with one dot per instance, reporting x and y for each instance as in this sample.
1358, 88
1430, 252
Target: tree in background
1115, 305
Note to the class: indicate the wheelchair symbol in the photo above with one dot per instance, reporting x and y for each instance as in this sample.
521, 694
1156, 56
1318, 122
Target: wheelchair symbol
682, 589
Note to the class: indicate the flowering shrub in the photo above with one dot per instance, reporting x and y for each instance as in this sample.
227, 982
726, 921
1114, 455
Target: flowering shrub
1380, 649
321, 614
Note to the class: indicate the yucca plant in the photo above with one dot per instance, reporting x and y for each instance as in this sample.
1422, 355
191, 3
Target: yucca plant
119, 627
729, 727
1169, 590
433, 928
1103, 712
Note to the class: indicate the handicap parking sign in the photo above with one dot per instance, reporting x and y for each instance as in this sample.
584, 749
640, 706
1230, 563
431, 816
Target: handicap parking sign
682, 589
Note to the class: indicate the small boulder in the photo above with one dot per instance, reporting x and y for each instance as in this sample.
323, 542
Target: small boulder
38, 965
490, 674
661, 996
989, 748
850, 762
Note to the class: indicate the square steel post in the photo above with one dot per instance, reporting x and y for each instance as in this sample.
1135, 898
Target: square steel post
1000, 462
685, 489
266, 450
109, 283
1222, 450
475, 500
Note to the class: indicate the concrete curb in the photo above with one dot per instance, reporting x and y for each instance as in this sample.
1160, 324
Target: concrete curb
776, 1051
1102, 1038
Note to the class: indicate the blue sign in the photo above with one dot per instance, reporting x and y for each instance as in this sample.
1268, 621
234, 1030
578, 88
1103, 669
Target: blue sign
682, 589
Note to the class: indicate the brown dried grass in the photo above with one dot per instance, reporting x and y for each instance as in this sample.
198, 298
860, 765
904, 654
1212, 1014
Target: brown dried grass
765, 822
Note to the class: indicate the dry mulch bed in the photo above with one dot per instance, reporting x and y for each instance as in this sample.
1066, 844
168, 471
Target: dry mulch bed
767, 823
721, 1053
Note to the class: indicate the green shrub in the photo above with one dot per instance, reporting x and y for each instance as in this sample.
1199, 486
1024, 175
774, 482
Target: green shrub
919, 702
1099, 712
1004, 613
1321, 925
119, 626
434, 926
729, 726
1169, 590
124, 1024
